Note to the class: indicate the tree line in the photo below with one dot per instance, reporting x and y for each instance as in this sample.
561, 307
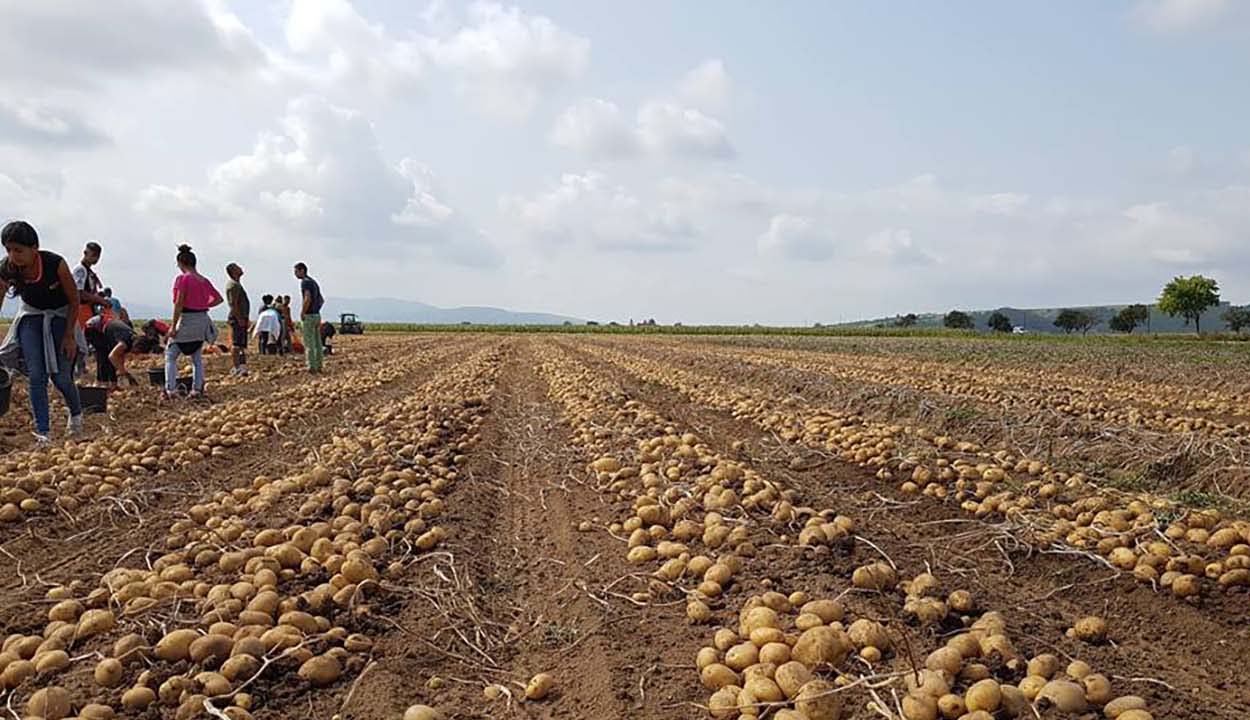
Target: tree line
1186, 297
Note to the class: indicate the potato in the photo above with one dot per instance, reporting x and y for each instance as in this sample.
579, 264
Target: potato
210, 650
1097, 688
51, 661
758, 617
1123, 704
321, 670
919, 707
717, 676
1067, 697
422, 712
952, 706
50, 703
1044, 665
706, 656
176, 645
1090, 629
822, 646
764, 690
983, 695
539, 686
875, 576
947, 659
95, 711
1014, 703
724, 703
829, 611
138, 698
109, 672
1135, 715
94, 622
791, 676
741, 656
864, 633
818, 700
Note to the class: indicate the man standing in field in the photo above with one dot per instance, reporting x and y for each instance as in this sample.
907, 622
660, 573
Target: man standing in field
240, 312
89, 297
310, 318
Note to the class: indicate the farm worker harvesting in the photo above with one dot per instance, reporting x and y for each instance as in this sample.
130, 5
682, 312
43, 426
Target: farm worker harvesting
240, 312
191, 326
310, 318
113, 340
268, 327
90, 296
44, 329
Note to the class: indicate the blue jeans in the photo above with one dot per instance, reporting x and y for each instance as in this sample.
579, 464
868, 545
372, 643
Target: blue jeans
172, 351
30, 337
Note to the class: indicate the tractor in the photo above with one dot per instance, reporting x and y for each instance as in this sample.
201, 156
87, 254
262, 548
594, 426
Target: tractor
349, 325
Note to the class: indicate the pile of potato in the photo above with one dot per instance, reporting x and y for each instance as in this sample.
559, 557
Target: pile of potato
1056, 508
70, 476
247, 599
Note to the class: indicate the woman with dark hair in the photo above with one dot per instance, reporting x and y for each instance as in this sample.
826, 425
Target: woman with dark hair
191, 326
43, 331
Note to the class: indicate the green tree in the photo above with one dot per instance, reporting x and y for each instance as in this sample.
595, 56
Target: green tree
999, 322
958, 320
908, 320
1127, 320
1238, 318
1190, 297
1070, 320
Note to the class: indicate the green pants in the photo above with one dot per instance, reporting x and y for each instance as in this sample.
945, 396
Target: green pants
314, 354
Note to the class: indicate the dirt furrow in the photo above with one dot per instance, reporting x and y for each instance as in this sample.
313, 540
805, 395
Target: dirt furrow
55, 551
1182, 658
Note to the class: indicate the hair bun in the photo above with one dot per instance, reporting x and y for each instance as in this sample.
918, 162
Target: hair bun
184, 248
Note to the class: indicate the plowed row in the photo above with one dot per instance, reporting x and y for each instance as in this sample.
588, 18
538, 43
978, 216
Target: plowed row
548, 527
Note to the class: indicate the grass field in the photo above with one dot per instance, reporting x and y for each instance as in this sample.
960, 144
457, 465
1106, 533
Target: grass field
605, 525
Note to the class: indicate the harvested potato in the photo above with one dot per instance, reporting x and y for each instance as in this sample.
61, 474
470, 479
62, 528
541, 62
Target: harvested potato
539, 686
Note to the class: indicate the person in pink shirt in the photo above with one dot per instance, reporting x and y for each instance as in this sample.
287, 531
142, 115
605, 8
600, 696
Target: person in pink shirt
191, 328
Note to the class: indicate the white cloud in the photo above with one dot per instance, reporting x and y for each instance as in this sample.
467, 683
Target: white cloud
324, 175
707, 86
673, 131
506, 58
62, 43
351, 50
589, 209
58, 128
1183, 160
1180, 15
1005, 203
595, 127
795, 237
896, 247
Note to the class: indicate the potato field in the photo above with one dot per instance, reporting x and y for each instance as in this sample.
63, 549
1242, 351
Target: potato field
599, 526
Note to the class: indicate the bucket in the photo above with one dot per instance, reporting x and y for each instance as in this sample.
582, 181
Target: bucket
94, 399
185, 384
6, 387
156, 376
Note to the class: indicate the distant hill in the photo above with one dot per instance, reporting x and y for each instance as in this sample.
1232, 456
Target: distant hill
1042, 320
383, 310
390, 310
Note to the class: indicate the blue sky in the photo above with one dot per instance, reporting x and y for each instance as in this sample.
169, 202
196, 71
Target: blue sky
699, 162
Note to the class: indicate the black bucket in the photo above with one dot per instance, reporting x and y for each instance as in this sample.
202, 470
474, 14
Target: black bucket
184, 384
94, 399
6, 388
156, 376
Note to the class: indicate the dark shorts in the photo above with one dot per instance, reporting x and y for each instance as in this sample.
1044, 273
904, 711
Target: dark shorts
238, 335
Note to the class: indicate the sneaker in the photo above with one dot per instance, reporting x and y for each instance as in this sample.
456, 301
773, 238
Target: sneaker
75, 424
42, 441
243, 371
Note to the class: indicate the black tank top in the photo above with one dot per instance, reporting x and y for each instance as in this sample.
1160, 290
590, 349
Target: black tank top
44, 292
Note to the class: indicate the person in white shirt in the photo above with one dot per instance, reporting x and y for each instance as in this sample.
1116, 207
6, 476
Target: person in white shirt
268, 327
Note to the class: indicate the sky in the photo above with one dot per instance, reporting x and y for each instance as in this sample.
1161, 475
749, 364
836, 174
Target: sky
701, 162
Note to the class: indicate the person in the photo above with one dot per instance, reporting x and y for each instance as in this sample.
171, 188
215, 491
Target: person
268, 327
239, 320
327, 332
113, 340
284, 332
154, 331
191, 327
44, 329
90, 296
114, 310
310, 318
